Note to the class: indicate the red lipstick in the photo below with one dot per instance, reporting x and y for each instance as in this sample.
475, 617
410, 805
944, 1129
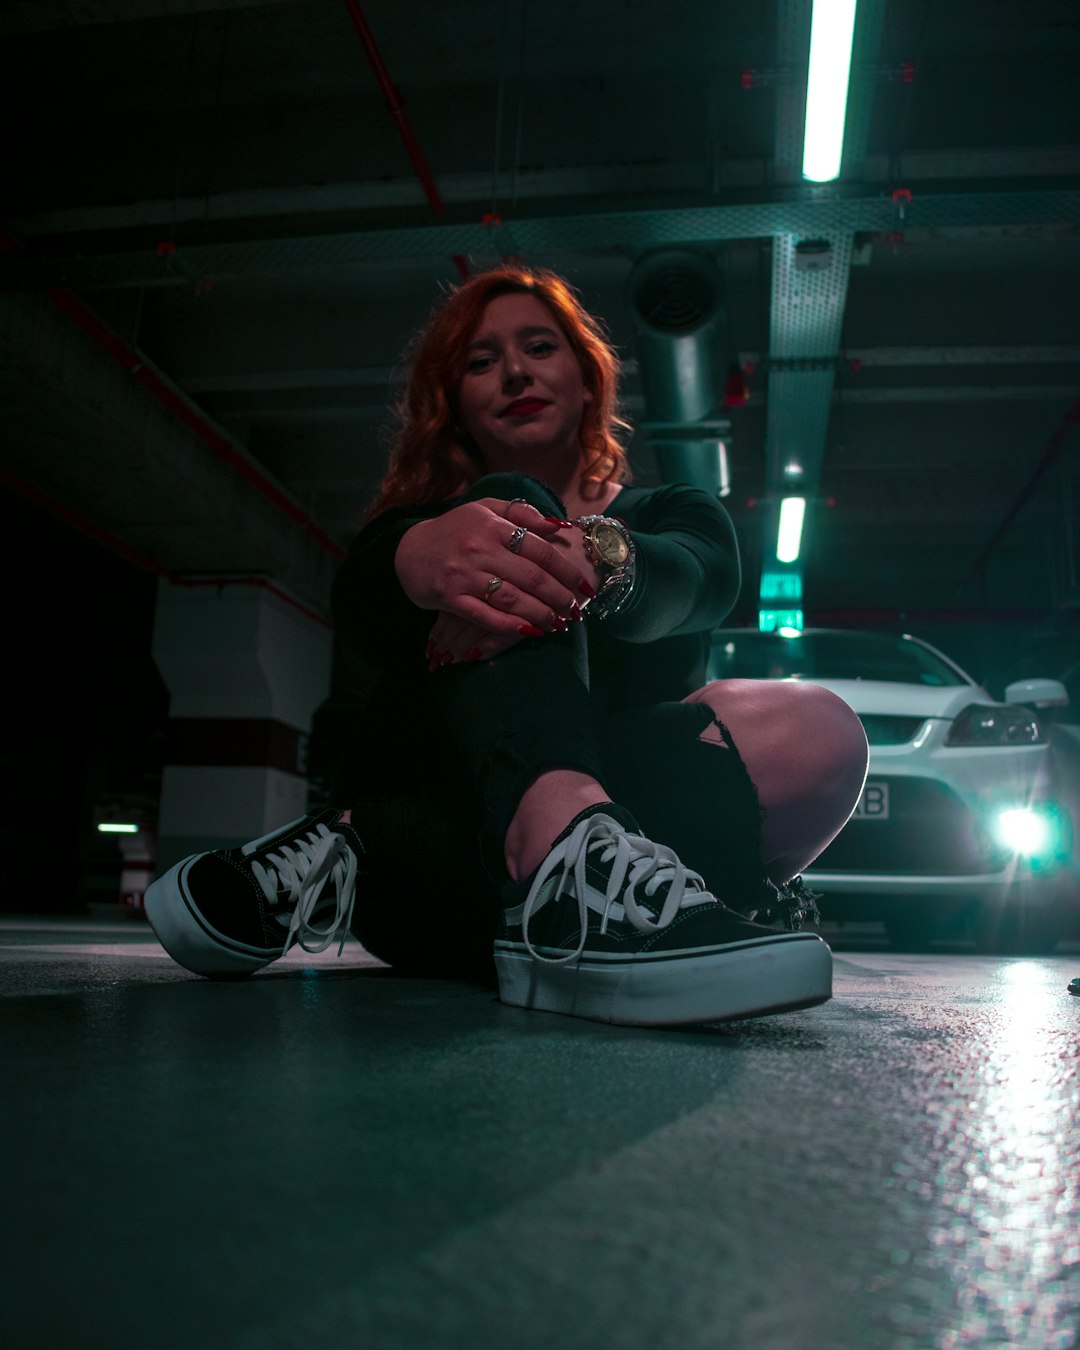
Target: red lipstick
524, 407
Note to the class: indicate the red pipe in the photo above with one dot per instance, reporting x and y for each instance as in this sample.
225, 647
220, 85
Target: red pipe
185, 412
142, 560
188, 415
84, 526
396, 105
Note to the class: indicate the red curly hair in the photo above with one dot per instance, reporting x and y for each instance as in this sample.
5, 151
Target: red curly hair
432, 457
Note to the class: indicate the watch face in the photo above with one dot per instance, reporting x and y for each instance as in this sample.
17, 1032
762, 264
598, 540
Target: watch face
610, 545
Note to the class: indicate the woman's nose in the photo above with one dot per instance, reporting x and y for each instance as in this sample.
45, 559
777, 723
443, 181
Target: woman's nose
515, 371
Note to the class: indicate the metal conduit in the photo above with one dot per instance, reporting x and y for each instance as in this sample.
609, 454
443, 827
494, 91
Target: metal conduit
676, 295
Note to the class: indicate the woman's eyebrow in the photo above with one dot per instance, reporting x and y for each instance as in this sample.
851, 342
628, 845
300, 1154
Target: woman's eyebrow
532, 330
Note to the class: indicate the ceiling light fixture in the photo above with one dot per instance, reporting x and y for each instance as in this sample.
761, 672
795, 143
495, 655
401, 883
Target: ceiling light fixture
831, 29
789, 535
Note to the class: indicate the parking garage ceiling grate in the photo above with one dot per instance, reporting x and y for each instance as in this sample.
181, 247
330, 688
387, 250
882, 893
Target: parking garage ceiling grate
819, 213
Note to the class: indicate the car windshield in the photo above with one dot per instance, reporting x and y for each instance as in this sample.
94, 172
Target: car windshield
828, 655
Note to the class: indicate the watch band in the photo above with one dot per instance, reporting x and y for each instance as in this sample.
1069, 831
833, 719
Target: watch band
619, 577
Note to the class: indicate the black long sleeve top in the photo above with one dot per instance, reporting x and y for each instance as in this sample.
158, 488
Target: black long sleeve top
654, 649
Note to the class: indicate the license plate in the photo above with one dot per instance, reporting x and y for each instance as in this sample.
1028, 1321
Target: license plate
874, 802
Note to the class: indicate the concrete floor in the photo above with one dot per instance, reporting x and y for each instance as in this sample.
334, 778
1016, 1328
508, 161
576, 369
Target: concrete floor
331, 1156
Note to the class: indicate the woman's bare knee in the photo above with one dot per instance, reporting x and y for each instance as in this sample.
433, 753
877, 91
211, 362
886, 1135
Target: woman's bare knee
806, 752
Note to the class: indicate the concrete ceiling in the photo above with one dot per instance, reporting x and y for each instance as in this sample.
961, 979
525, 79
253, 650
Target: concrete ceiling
216, 248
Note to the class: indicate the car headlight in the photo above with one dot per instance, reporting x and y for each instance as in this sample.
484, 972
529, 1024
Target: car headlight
1005, 724
1037, 833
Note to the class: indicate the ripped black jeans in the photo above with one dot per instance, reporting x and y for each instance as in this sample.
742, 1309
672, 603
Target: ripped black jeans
435, 867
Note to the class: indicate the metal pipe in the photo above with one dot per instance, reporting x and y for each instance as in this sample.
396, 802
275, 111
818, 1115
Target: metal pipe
186, 413
396, 105
190, 416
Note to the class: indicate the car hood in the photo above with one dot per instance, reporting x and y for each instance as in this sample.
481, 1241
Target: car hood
911, 700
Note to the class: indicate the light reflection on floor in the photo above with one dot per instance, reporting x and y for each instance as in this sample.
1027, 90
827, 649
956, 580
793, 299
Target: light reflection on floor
1008, 1178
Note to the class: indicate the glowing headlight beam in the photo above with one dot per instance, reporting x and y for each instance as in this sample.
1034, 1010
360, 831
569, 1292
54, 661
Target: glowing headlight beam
1024, 831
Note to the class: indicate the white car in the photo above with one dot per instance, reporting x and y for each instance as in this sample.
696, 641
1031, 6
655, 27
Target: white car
961, 820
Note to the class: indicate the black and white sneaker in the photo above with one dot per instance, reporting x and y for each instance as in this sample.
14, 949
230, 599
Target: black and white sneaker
613, 927
235, 910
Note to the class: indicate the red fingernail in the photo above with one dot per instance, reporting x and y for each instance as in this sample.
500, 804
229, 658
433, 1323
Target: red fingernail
527, 630
447, 659
474, 654
429, 651
558, 520
586, 589
560, 624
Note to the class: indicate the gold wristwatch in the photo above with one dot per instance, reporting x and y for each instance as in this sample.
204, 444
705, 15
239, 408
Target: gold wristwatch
609, 546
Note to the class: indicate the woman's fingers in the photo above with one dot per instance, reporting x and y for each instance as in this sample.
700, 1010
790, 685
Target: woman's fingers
454, 640
511, 615
526, 605
448, 564
448, 640
549, 574
519, 512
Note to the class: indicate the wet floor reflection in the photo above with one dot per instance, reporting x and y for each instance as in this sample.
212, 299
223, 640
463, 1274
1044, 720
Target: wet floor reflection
1009, 1236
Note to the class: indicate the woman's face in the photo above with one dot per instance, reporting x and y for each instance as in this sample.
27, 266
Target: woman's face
522, 394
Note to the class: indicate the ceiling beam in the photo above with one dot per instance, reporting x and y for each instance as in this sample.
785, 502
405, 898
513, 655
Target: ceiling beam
594, 181
802, 213
31, 16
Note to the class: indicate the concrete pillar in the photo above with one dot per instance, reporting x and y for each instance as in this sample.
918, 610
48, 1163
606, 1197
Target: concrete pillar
246, 668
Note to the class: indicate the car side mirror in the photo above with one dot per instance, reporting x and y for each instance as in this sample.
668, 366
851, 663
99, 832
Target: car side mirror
1038, 693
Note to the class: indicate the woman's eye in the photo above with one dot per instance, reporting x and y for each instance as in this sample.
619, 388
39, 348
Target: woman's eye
542, 348
478, 363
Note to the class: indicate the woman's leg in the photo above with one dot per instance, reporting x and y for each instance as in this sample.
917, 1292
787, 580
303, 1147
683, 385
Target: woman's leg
546, 807
805, 751
522, 725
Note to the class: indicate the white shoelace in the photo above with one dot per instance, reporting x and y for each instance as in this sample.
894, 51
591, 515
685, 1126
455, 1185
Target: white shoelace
302, 870
638, 866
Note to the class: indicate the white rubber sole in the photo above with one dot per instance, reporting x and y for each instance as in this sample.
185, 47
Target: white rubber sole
752, 979
186, 935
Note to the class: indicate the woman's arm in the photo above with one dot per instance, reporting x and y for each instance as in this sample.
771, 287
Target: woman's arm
687, 566
404, 568
370, 612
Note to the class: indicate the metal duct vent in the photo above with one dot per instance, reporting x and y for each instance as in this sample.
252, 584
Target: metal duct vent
676, 298
675, 293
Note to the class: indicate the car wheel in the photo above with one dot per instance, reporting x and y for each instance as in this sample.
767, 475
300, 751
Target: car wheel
1014, 928
911, 926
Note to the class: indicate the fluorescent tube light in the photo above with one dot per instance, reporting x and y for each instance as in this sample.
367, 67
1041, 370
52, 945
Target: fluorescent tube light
831, 30
117, 827
789, 536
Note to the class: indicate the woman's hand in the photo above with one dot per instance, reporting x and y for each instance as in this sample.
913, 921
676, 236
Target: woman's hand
454, 639
446, 564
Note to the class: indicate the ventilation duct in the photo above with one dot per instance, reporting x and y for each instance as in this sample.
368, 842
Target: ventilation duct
676, 299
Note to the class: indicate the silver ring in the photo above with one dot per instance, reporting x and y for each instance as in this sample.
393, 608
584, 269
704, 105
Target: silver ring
513, 502
492, 586
516, 540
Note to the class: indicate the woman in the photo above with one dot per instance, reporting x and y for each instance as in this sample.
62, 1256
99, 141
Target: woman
541, 762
